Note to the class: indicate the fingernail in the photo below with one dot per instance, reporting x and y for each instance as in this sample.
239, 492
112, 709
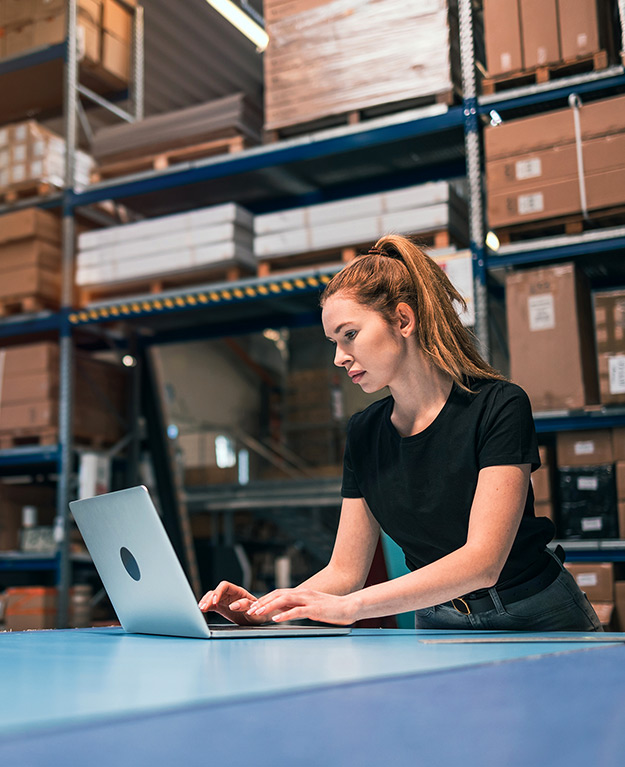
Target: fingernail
235, 606
215, 599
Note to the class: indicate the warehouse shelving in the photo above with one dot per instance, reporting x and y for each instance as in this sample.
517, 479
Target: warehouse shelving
434, 142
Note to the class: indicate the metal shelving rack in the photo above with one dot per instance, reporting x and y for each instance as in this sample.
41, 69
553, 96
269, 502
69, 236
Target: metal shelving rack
306, 170
60, 65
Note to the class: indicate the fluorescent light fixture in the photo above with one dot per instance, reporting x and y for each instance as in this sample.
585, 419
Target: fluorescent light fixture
242, 22
492, 241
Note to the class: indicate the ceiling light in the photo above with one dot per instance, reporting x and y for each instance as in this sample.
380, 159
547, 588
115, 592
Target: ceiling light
242, 22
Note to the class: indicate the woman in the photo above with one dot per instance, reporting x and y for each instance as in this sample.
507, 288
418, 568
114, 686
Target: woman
442, 465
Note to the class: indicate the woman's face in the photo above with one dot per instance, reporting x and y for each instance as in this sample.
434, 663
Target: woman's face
370, 350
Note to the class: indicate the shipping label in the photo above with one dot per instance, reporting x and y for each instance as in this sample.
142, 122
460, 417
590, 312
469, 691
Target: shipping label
542, 312
592, 524
587, 579
584, 448
616, 367
528, 169
588, 483
530, 203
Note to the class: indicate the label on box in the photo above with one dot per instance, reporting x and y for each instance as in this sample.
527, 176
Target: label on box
582, 40
20, 132
530, 203
584, 448
4, 158
4, 136
528, 168
588, 483
616, 367
592, 524
541, 54
587, 579
542, 312
506, 61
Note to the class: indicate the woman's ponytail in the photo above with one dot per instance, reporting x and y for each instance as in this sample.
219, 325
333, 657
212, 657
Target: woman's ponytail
395, 271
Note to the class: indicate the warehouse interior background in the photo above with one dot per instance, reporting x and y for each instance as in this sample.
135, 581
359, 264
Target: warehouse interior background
173, 202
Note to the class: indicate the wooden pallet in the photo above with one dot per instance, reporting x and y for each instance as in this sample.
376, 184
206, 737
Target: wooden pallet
356, 116
162, 160
26, 305
271, 265
154, 285
20, 190
543, 74
572, 224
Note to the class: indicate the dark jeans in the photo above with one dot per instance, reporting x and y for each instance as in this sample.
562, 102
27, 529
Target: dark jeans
562, 606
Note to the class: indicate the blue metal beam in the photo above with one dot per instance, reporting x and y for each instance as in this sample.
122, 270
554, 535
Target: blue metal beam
563, 252
21, 325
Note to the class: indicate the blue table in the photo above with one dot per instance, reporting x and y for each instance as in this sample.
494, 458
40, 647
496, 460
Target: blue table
104, 697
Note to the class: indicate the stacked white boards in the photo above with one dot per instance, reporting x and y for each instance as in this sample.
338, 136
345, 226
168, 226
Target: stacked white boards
219, 236
425, 208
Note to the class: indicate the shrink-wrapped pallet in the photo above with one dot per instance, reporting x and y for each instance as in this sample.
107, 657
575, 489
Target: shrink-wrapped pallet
331, 57
31, 155
219, 236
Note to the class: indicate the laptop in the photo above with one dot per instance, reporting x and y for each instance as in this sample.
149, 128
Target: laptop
144, 578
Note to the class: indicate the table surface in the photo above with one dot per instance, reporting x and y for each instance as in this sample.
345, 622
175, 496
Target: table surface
359, 699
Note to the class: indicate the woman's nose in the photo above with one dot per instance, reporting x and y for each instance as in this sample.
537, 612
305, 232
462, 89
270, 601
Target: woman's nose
340, 357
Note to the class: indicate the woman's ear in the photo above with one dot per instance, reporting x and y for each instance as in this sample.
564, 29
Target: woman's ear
406, 319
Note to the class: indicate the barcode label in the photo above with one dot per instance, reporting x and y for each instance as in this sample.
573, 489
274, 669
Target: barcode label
587, 579
528, 169
530, 203
584, 448
587, 483
592, 524
616, 366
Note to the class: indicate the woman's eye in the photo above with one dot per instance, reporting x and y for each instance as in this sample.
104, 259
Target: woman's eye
350, 334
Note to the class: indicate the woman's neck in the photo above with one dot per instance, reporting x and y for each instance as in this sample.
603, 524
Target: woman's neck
419, 397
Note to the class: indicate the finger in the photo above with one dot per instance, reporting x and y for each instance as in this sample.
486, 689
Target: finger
295, 613
205, 601
241, 605
278, 603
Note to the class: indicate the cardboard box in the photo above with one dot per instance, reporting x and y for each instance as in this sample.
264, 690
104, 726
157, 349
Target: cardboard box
502, 33
610, 322
545, 509
611, 369
605, 613
551, 339
116, 56
618, 443
591, 447
30, 607
539, 32
15, 256
117, 21
595, 579
578, 27
541, 484
28, 223
620, 480
621, 520
555, 128
588, 507
619, 604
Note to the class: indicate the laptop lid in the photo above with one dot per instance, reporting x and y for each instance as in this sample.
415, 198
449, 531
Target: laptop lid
143, 576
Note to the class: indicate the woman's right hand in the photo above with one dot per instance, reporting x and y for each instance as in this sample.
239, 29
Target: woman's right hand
231, 602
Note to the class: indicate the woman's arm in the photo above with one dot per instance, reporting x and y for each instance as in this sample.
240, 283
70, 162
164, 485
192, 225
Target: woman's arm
494, 520
347, 571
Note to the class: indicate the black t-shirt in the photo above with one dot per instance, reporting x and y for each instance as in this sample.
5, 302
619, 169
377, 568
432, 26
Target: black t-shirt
420, 488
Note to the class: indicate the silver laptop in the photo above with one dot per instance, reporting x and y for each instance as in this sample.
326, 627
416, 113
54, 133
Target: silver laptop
143, 576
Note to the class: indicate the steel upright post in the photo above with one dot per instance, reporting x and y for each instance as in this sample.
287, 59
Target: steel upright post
137, 64
66, 449
474, 173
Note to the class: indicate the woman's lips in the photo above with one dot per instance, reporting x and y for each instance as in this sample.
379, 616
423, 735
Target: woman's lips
357, 377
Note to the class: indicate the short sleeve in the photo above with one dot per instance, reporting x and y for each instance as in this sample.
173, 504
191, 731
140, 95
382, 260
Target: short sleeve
349, 488
507, 434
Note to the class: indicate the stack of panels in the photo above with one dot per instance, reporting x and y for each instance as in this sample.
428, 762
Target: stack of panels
425, 208
31, 154
329, 57
230, 116
30, 256
220, 236
29, 394
532, 171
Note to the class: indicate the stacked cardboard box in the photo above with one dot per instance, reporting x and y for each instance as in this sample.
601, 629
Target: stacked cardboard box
220, 236
31, 154
587, 484
610, 338
550, 336
532, 172
329, 57
424, 208
596, 580
28, 608
30, 257
104, 31
525, 34
29, 391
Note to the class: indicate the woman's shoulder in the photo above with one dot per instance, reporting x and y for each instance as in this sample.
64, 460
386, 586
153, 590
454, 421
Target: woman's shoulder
495, 393
371, 415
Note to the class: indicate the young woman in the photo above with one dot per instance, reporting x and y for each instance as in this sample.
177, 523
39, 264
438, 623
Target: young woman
442, 465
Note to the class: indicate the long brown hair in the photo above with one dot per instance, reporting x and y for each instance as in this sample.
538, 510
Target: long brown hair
396, 270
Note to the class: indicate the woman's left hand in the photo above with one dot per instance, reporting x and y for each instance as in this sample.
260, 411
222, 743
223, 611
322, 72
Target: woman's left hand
295, 604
